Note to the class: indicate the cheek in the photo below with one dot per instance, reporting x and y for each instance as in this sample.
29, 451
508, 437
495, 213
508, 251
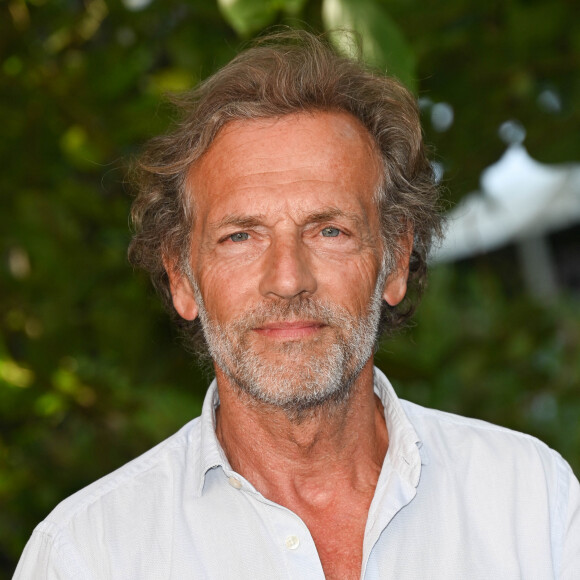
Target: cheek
226, 292
350, 283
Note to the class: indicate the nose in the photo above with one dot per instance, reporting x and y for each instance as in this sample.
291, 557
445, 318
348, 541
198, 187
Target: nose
286, 269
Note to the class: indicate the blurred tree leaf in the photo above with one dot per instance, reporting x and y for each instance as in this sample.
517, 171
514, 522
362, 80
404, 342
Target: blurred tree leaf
249, 16
383, 43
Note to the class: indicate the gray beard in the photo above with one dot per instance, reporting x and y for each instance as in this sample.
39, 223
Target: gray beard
295, 376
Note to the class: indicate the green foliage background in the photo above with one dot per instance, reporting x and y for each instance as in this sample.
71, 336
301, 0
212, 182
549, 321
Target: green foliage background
91, 374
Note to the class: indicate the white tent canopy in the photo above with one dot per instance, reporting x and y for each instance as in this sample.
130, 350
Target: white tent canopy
520, 199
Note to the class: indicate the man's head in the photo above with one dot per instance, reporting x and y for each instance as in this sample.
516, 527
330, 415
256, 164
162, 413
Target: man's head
286, 267
290, 94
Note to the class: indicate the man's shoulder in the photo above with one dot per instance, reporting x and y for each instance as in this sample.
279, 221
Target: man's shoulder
150, 471
448, 436
103, 525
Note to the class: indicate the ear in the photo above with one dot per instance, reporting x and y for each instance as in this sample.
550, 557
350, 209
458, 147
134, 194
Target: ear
396, 283
181, 292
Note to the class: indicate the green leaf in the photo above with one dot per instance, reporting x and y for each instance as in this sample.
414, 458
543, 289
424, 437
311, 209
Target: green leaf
383, 43
292, 7
248, 16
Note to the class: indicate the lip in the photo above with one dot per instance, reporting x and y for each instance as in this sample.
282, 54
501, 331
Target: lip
290, 329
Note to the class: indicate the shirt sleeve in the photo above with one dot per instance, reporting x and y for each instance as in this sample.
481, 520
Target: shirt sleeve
50, 555
570, 562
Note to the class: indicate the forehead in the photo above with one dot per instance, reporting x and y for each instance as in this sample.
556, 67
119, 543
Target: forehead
291, 158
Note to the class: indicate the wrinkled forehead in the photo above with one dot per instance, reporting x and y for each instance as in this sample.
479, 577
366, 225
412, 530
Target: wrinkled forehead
332, 147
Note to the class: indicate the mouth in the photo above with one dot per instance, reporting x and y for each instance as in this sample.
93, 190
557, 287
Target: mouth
290, 330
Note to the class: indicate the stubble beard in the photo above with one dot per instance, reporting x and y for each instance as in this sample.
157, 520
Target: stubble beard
296, 376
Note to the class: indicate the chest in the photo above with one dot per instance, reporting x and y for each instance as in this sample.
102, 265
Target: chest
338, 535
339, 561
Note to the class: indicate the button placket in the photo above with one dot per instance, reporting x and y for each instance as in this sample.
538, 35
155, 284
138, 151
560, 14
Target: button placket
298, 555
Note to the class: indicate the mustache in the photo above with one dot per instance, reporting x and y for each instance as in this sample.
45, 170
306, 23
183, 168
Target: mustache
284, 310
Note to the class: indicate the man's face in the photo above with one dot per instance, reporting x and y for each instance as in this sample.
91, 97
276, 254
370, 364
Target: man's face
286, 256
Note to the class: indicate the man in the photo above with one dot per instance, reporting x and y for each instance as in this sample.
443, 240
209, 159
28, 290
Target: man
285, 217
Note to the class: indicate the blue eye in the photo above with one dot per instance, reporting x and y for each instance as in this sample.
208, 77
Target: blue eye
330, 232
240, 237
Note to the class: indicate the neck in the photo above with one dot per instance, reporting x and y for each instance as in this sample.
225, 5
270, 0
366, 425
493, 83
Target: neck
302, 461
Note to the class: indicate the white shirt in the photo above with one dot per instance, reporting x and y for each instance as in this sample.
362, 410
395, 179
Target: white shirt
456, 499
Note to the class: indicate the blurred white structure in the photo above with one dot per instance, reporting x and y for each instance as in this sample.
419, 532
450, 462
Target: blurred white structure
521, 200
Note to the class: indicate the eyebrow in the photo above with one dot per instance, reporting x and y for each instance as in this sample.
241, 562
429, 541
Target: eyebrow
332, 213
250, 221
239, 221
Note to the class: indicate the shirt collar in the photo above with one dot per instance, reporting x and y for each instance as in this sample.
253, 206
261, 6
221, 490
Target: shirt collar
403, 448
211, 454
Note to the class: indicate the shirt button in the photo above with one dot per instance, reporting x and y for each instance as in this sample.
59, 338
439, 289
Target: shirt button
292, 542
235, 482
